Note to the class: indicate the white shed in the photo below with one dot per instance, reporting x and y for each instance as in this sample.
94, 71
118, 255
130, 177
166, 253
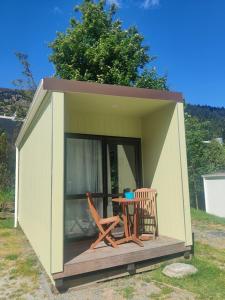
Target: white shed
214, 188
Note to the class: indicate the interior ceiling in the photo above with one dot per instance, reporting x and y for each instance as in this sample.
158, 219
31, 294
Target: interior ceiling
104, 104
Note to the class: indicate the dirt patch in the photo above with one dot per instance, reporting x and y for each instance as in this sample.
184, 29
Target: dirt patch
210, 234
19, 267
180, 295
134, 287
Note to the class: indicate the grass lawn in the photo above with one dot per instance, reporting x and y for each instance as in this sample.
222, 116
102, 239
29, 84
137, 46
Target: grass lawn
204, 218
6, 223
19, 267
6, 196
209, 282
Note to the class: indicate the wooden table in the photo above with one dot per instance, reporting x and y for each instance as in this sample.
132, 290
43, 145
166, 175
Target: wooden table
129, 236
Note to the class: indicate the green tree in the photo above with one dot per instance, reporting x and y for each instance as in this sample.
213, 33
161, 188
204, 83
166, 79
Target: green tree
4, 162
202, 158
195, 135
26, 85
214, 157
96, 48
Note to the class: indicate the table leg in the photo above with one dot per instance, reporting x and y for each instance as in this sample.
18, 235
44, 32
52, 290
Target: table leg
125, 221
128, 237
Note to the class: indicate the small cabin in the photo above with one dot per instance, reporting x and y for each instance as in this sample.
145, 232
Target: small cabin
82, 136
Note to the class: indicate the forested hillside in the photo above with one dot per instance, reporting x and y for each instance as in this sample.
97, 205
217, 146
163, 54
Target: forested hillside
215, 117
13, 101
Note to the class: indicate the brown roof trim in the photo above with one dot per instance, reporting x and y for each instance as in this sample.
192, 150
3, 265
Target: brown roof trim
63, 85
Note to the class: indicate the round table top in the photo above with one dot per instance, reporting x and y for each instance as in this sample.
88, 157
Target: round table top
128, 201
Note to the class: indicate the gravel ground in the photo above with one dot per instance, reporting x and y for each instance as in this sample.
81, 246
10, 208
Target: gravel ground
210, 234
130, 287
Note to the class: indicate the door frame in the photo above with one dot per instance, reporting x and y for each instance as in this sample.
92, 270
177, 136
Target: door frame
105, 140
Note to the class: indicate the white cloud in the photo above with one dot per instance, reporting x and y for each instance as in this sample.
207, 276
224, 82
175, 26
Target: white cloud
150, 3
57, 10
116, 2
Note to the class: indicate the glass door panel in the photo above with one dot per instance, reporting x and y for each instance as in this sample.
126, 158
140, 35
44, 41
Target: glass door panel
83, 166
79, 223
83, 173
126, 167
123, 170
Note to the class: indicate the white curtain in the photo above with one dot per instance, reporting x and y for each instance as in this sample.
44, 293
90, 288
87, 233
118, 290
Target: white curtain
83, 174
84, 166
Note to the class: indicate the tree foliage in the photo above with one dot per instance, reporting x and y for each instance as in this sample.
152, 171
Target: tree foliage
202, 158
27, 82
5, 178
96, 48
215, 117
26, 85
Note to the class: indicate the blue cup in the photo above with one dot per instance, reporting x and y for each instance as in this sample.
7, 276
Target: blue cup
129, 195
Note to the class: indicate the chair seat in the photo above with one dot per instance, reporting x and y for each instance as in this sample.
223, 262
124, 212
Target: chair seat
109, 220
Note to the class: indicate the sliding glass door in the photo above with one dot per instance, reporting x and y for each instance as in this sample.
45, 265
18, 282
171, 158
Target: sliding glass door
105, 166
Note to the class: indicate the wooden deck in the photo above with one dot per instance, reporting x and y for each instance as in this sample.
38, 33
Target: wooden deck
80, 260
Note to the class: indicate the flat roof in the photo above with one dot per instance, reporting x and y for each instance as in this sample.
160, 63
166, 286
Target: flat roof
63, 85
214, 175
74, 86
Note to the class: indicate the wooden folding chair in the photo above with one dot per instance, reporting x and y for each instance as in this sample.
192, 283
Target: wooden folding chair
148, 223
105, 225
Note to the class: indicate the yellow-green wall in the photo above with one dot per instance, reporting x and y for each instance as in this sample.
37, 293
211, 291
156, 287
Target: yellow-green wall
41, 183
57, 182
164, 168
184, 173
34, 205
101, 124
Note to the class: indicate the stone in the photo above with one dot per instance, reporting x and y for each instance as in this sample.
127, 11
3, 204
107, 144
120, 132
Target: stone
179, 270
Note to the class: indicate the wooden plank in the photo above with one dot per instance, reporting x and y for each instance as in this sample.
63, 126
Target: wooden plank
94, 265
90, 279
104, 251
107, 257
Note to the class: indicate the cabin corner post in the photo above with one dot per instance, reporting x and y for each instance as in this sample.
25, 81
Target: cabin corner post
184, 174
16, 188
206, 194
57, 201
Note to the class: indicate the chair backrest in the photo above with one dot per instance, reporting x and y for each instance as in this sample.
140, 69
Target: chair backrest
148, 210
92, 208
150, 195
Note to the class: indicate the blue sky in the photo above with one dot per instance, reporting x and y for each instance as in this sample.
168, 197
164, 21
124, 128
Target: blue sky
187, 36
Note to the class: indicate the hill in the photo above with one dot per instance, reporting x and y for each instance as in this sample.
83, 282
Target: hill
13, 101
215, 116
